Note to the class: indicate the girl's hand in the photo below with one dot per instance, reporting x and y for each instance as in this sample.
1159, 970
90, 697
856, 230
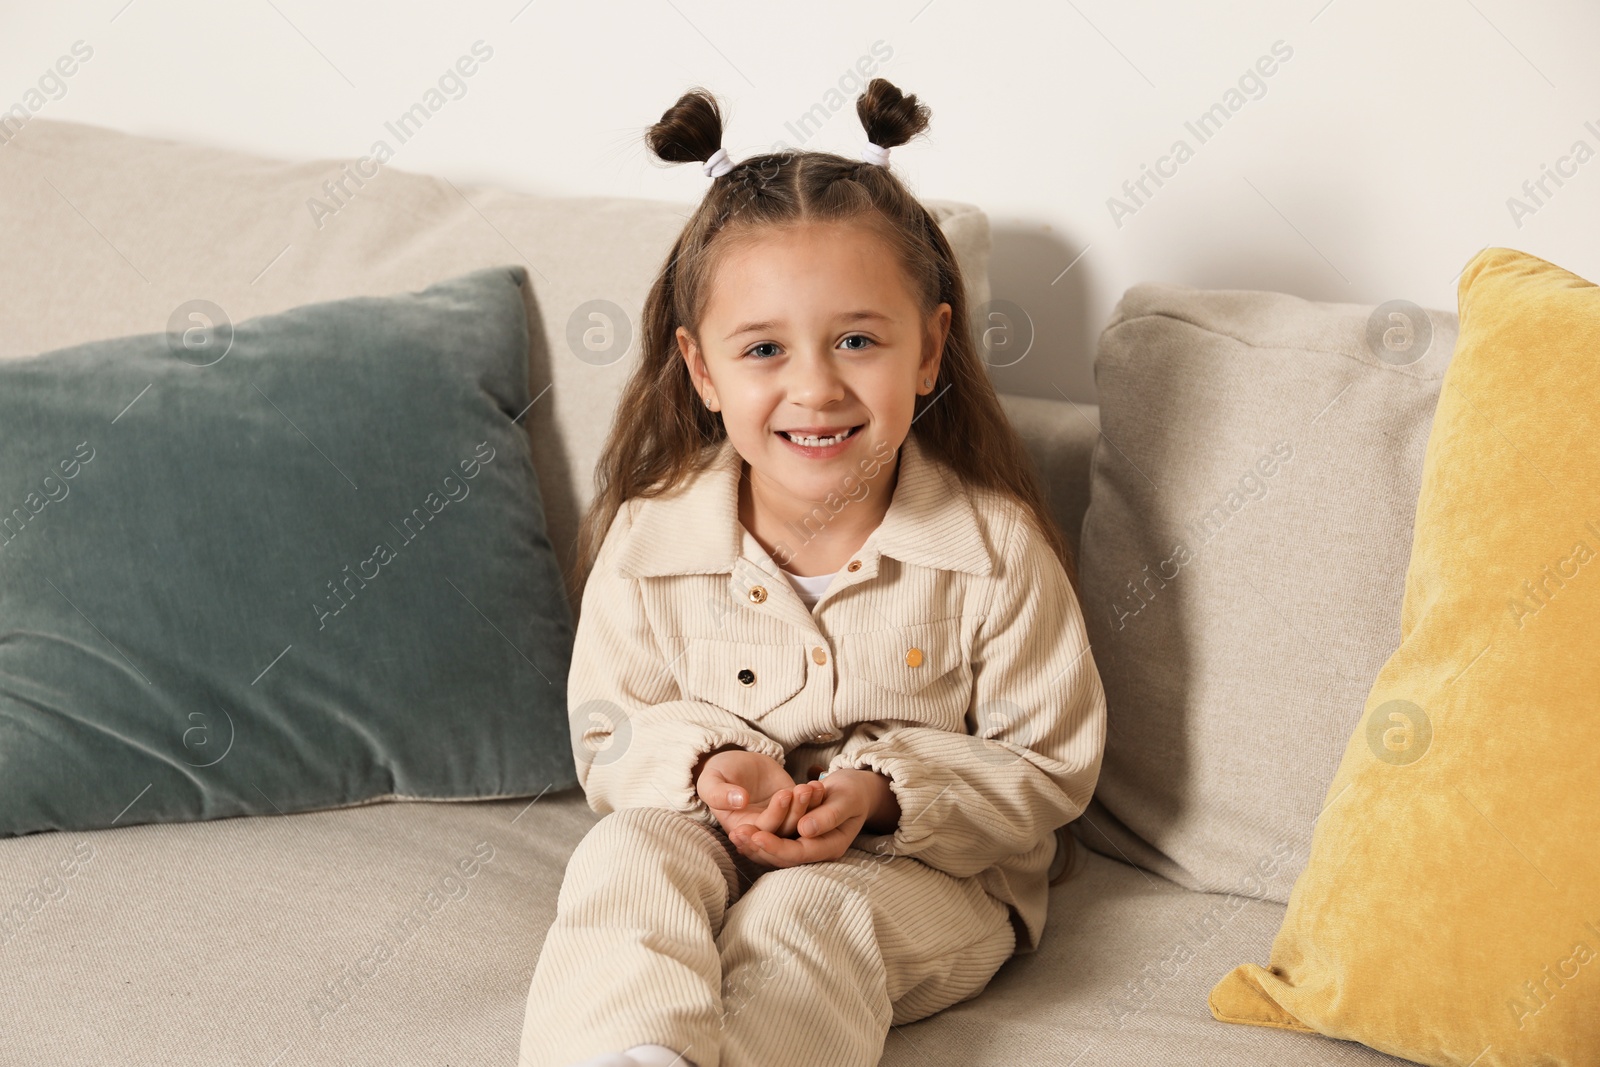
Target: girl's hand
751, 789
850, 797
784, 810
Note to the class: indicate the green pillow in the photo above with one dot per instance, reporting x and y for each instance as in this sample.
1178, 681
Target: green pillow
295, 563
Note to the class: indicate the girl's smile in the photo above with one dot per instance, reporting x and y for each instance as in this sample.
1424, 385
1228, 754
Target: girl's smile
817, 444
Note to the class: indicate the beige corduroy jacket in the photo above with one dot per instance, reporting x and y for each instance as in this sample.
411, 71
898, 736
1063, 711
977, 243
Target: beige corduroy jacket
949, 654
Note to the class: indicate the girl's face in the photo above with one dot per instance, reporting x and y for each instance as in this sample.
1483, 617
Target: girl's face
813, 328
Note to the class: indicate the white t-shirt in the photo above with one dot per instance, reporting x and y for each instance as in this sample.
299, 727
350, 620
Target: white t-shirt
810, 589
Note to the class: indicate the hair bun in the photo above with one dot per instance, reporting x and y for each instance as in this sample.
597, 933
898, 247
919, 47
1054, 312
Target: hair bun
889, 116
690, 131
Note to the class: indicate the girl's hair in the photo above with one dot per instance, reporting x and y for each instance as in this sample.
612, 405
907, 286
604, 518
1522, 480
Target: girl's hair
662, 432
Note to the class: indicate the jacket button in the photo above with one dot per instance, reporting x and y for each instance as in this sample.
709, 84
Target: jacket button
747, 676
819, 654
824, 738
914, 657
855, 565
758, 593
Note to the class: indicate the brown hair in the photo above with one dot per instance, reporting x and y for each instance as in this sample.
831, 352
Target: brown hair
662, 432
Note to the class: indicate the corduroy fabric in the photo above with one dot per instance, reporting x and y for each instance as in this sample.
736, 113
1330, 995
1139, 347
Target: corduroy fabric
664, 934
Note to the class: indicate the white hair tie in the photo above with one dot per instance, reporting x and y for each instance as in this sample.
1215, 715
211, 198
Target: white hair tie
719, 164
875, 154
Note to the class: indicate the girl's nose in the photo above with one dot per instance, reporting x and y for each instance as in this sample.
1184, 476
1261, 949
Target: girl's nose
813, 381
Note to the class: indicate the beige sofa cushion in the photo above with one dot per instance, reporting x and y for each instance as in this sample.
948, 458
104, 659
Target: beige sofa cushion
106, 233
1244, 556
407, 934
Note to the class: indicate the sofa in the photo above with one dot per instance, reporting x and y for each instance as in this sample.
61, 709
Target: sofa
245, 940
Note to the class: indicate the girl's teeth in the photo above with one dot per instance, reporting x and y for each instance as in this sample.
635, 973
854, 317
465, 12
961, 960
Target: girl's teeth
817, 442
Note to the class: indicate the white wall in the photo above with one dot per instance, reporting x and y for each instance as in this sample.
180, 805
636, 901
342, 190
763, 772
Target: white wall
1377, 158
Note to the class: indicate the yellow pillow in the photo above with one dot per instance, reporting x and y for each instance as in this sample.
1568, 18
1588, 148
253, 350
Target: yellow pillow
1450, 910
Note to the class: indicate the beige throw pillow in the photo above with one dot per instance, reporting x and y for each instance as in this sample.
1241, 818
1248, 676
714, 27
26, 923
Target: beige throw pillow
1244, 557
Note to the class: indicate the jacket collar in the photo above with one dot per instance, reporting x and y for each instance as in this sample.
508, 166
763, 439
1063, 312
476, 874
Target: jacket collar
695, 528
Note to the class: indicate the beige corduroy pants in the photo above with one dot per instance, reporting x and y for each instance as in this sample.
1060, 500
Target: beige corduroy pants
665, 934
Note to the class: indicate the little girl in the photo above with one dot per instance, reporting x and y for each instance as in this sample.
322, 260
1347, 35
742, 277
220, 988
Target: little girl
831, 689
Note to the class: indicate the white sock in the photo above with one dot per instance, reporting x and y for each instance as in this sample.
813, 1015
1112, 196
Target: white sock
639, 1056
658, 1056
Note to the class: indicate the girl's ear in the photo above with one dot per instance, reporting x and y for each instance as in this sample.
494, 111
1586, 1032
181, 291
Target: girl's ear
938, 331
698, 376
691, 355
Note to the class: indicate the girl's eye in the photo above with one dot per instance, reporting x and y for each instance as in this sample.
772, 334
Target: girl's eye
763, 344
863, 337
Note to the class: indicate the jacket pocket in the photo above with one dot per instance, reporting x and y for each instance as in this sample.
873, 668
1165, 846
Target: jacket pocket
905, 659
747, 679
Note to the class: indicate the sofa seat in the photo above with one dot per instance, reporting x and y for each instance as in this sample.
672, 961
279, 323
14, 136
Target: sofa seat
252, 941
